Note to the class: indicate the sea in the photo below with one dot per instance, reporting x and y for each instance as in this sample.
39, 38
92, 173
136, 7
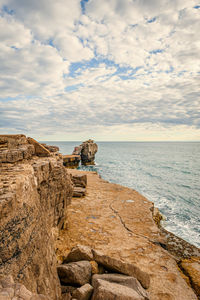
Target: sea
166, 173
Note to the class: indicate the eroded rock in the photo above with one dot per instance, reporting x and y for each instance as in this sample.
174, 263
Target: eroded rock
79, 180
40, 150
191, 268
124, 280
83, 293
75, 272
122, 267
112, 291
79, 253
34, 194
9, 290
79, 192
71, 161
87, 151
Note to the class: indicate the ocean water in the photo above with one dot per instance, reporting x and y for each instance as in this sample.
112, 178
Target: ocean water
167, 173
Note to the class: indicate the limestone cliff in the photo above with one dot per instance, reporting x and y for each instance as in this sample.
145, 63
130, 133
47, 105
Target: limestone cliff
35, 189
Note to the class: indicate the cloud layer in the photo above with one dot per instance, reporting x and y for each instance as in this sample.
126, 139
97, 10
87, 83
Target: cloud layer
112, 69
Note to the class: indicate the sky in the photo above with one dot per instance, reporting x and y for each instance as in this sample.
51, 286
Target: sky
102, 69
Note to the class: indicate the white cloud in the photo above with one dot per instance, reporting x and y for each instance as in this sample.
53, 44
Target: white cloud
40, 40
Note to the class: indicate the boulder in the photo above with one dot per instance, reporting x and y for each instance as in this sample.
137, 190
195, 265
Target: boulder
79, 192
112, 291
83, 293
124, 280
119, 266
78, 253
75, 273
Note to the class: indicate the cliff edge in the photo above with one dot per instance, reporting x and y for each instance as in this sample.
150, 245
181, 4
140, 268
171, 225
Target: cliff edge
35, 190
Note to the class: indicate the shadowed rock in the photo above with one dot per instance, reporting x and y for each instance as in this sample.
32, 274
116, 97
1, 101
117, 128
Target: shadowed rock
75, 273
83, 293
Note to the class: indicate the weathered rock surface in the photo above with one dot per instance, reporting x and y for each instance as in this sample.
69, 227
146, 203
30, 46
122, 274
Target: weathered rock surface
67, 289
78, 253
124, 280
75, 273
71, 161
112, 291
116, 265
83, 293
9, 290
79, 192
51, 148
87, 151
34, 193
39, 149
117, 221
79, 180
191, 268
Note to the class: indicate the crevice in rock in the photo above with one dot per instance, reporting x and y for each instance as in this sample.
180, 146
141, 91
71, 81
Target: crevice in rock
132, 232
187, 277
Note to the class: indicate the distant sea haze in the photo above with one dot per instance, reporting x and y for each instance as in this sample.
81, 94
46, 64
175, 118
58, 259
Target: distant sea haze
167, 173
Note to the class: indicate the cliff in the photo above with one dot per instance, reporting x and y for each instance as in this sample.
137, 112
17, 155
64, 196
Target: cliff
35, 190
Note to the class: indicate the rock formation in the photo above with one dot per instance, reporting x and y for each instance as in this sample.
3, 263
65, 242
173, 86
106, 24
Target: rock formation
75, 277
87, 151
71, 161
35, 189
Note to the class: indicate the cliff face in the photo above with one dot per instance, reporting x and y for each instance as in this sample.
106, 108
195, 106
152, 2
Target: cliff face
34, 191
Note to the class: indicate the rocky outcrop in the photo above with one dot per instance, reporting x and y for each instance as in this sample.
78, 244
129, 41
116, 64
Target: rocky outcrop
79, 184
51, 148
35, 189
71, 161
87, 151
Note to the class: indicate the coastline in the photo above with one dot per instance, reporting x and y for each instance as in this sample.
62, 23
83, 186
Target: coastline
121, 223
41, 222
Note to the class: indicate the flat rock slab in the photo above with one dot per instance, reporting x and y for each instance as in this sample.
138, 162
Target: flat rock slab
112, 291
75, 273
123, 230
124, 280
78, 253
122, 267
83, 293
